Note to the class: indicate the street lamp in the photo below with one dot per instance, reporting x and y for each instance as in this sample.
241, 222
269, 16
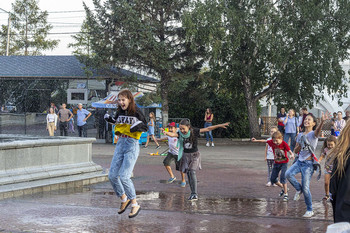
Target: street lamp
8, 32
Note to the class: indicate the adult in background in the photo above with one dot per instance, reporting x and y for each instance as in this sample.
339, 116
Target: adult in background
64, 116
347, 115
339, 123
51, 122
55, 109
291, 128
334, 118
208, 118
82, 116
280, 118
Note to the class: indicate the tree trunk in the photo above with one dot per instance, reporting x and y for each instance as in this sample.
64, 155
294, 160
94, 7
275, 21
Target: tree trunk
164, 94
254, 130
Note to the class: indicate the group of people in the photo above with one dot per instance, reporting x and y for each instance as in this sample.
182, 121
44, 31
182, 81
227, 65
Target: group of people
183, 150
183, 144
64, 118
335, 152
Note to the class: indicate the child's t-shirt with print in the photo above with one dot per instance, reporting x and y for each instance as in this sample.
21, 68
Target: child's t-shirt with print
280, 151
269, 154
172, 142
192, 146
304, 151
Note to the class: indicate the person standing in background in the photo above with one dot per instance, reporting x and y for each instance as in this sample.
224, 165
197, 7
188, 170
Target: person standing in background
51, 122
280, 117
82, 116
208, 118
64, 116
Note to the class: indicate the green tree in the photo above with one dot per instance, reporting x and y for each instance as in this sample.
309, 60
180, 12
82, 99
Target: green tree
29, 30
286, 50
82, 40
147, 35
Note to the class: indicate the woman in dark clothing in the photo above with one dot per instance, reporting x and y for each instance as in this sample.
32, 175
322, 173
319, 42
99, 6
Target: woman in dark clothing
340, 181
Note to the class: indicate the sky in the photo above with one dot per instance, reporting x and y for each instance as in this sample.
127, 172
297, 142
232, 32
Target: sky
66, 17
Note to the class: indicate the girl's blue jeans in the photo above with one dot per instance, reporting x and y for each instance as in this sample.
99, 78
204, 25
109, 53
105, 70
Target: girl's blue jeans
123, 162
306, 169
208, 134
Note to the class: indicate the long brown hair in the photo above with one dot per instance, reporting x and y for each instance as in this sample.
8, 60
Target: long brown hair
340, 153
187, 123
132, 105
153, 116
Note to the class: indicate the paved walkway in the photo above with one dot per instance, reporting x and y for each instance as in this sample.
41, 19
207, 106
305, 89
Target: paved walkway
232, 198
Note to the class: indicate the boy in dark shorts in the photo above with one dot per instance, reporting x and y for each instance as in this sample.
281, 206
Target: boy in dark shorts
172, 156
280, 149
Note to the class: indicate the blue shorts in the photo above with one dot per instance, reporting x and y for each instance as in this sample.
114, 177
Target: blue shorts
150, 130
277, 167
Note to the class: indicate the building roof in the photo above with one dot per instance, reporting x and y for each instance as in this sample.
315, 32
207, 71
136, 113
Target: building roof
55, 67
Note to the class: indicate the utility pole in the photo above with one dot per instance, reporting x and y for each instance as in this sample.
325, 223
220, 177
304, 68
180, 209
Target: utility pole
8, 32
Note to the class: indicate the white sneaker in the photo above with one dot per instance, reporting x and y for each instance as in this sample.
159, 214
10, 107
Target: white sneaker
297, 195
212, 144
308, 214
207, 144
275, 185
268, 184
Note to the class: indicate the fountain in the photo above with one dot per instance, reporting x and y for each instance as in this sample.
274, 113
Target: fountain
30, 164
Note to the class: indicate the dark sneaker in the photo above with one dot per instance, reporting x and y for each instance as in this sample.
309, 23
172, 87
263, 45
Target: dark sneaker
285, 197
193, 197
281, 193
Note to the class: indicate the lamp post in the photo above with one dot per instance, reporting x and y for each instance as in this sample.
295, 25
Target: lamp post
8, 31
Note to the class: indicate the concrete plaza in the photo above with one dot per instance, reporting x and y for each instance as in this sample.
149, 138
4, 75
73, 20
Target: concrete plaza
232, 198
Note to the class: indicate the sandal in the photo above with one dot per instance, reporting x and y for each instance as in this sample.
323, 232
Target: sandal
123, 206
325, 198
134, 211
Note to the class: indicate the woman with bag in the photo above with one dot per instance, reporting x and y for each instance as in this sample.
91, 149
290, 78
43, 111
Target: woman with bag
291, 128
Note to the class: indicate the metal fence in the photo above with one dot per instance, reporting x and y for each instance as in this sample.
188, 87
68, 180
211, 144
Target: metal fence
35, 124
272, 121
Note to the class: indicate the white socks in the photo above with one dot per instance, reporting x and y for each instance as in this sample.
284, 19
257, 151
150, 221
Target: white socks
134, 205
125, 199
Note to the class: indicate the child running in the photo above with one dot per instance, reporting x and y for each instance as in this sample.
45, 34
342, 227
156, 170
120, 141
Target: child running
269, 157
328, 144
189, 156
129, 124
280, 149
305, 147
173, 156
150, 132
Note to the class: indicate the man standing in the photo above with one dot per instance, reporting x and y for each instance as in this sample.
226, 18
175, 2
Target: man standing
82, 116
347, 115
64, 116
280, 118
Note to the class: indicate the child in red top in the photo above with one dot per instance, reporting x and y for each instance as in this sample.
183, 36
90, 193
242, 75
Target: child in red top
280, 149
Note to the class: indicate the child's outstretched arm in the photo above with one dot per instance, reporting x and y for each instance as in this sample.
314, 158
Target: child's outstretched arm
170, 134
210, 128
256, 140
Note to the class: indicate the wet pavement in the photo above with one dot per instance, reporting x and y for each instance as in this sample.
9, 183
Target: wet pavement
232, 198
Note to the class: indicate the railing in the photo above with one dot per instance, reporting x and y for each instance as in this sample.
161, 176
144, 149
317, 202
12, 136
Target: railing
272, 121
